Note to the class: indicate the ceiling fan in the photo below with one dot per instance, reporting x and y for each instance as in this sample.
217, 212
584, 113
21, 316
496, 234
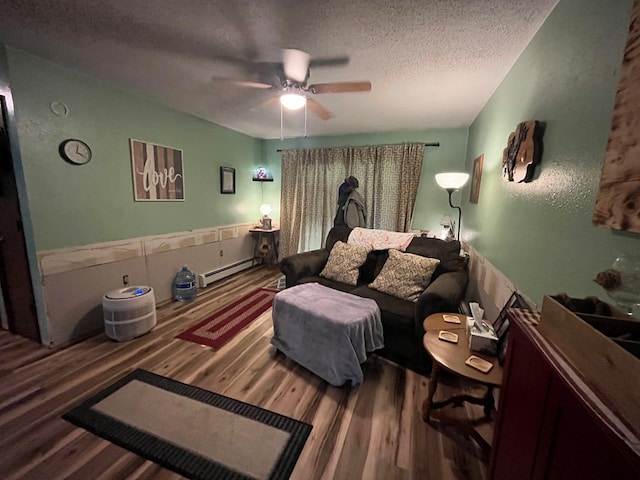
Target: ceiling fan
291, 82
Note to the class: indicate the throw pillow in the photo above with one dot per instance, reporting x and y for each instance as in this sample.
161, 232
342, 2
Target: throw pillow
344, 262
405, 275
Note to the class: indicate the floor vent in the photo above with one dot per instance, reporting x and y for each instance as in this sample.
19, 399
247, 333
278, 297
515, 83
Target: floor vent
206, 278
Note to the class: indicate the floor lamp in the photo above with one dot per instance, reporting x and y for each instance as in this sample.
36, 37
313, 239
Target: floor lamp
452, 182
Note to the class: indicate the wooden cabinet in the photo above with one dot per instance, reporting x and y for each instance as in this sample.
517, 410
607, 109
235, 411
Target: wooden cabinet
555, 421
574, 443
522, 400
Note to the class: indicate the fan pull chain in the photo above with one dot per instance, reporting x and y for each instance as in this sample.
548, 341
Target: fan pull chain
281, 127
305, 119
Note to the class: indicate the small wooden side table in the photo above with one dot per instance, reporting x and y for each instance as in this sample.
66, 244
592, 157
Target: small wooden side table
266, 248
451, 357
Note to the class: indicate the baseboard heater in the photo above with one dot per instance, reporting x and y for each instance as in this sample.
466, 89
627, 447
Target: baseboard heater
206, 278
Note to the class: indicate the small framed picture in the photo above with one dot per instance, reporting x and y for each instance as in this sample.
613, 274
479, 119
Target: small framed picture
266, 224
515, 301
503, 342
501, 324
475, 179
502, 329
227, 180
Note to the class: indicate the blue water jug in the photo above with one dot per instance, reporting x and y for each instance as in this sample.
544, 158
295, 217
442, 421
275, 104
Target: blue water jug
184, 285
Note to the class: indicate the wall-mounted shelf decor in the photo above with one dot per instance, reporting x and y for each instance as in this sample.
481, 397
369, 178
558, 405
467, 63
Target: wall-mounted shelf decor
262, 175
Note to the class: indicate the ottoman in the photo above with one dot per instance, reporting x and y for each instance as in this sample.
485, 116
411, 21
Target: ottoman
326, 331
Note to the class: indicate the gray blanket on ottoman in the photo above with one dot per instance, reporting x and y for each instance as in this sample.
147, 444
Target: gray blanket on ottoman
326, 331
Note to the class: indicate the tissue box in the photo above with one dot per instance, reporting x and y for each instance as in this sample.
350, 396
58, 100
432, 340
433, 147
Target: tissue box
483, 341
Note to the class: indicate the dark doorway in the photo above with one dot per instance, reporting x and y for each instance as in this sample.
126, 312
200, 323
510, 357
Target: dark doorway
15, 278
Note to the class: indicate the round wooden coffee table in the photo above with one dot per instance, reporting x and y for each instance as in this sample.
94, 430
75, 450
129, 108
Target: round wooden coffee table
452, 357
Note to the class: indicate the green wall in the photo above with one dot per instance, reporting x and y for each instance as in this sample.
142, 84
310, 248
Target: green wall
77, 205
540, 233
431, 201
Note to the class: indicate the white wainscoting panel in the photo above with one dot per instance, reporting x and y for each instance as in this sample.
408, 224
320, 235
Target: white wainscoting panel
74, 298
76, 258
487, 285
75, 279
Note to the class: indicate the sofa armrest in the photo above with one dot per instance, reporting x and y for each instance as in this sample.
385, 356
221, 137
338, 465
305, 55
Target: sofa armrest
444, 294
302, 265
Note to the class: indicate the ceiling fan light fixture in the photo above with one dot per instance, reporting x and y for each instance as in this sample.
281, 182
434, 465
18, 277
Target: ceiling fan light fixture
293, 101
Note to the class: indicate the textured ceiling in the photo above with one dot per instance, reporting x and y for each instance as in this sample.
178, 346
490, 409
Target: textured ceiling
432, 64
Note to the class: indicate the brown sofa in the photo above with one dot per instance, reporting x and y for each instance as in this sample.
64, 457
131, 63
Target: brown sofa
401, 319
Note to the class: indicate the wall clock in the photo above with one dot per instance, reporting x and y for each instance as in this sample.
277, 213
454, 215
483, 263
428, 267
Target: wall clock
75, 151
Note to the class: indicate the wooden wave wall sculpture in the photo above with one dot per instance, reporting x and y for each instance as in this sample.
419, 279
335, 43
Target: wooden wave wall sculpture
523, 152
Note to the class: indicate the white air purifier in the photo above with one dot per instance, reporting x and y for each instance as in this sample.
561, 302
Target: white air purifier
129, 312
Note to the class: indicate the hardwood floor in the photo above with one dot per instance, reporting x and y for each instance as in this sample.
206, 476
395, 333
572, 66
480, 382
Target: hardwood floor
371, 431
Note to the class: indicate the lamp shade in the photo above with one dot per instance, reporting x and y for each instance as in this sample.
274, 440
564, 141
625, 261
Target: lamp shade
265, 209
293, 101
452, 180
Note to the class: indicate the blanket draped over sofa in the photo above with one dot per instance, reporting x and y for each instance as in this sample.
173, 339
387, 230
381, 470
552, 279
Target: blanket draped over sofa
380, 239
401, 319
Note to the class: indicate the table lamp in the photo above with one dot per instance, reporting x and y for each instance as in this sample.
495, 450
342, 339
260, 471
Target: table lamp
265, 210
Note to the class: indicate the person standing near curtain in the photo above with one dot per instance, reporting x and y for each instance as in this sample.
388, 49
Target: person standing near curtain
343, 193
351, 206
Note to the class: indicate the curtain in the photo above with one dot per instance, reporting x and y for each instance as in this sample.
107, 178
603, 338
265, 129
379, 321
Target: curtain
388, 177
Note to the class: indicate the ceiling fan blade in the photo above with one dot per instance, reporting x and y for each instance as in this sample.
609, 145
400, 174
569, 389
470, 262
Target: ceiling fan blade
295, 63
329, 62
247, 64
242, 83
267, 103
253, 84
340, 87
318, 109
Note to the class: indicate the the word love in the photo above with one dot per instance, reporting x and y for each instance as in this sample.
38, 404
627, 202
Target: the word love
151, 178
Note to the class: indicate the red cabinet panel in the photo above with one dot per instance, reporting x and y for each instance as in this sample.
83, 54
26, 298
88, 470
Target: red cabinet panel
522, 399
574, 444
545, 430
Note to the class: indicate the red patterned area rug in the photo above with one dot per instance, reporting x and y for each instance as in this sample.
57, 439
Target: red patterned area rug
223, 325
